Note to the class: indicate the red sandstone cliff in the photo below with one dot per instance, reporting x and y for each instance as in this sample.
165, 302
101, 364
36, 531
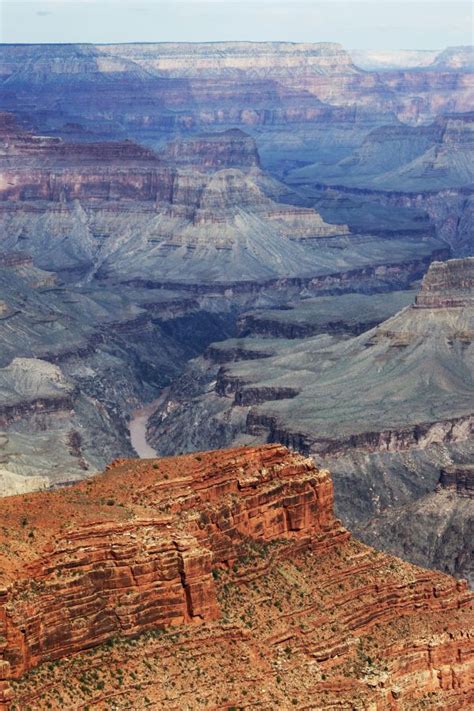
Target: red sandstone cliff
244, 542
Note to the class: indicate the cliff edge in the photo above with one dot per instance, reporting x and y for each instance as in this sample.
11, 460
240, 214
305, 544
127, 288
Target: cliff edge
229, 565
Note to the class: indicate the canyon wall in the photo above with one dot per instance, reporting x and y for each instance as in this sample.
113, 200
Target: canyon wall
108, 574
385, 411
149, 549
459, 479
437, 528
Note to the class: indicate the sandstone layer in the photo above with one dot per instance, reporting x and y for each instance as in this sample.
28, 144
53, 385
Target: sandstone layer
103, 584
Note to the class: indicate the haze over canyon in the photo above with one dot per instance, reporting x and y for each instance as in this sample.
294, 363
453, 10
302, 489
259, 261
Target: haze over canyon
264, 250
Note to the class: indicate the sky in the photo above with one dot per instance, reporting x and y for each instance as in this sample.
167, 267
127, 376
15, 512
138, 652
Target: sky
357, 24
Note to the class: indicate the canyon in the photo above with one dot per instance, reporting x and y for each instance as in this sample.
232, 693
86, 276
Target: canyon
251, 245
114, 252
357, 404
229, 565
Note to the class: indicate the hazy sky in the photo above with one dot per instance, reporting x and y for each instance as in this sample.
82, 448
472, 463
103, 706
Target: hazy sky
379, 24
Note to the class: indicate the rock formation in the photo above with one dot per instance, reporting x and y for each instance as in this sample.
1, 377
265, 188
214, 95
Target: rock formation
458, 479
343, 314
437, 529
200, 212
397, 422
405, 159
245, 543
152, 197
424, 167
381, 410
448, 285
240, 83
75, 361
201, 218
229, 149
93, 206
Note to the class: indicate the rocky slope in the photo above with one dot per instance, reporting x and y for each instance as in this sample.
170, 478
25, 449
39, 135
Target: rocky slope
405, 158
343, 314
435, 530
397, 166
223, 219
441, 317
385, 410
290, 609
114, 220
201, 212
75, 361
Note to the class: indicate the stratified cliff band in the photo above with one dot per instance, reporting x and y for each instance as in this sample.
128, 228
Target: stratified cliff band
103, 584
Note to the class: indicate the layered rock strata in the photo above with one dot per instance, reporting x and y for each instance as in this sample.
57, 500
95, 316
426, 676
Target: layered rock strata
196, 85
146, 560
245, 543
458, 479
448, 285
196, 212
200, 214
318, 373
75, 361
385, 410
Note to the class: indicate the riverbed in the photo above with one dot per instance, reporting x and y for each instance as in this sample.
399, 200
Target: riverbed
138, 425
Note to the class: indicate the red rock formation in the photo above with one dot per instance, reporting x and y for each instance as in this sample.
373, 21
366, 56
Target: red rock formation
155, 544
108, 575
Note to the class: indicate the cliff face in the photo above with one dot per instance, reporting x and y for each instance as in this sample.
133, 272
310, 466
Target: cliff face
191, 84
405, 159
198, 211
427, 167
458, 479
230, 149
173, 59
343, 314
317, 374
214, 232
148, 562
45, 168
206, 538
447, 285
75, 361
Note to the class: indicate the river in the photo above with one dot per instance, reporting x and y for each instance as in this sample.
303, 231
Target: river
138, 424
